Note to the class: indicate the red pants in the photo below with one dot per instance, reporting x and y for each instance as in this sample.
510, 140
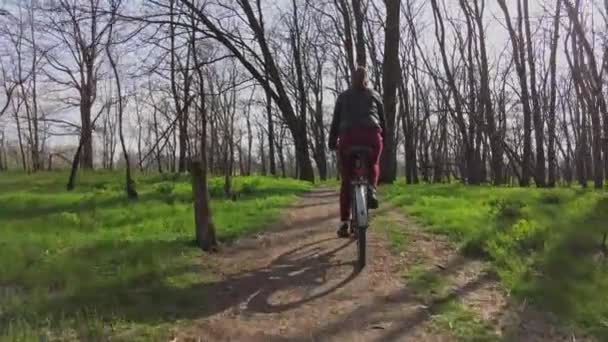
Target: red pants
370, 137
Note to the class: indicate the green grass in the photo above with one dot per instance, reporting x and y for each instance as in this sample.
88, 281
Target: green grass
448, 313
397, 236
544, 244
462, 323
90, 264
428, 285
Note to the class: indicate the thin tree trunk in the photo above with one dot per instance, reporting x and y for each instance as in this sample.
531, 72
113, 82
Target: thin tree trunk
539, 174
262, 153
360, 43
86, 130
159, 164
130, 184
181, 104
391, 80
271, 138
74, 169
140, 127
280, 145
342, 6
2, 163
249, 145
19, 137
553, 98
520, 65
36, 158
300, 138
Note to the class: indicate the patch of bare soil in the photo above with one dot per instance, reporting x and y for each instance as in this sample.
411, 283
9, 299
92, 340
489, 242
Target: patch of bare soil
297, 282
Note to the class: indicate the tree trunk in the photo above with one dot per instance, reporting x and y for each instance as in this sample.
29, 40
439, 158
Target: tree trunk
271, 152
343, 8
182, 104
36, 150
159, 164
249, 145
20, 140
74, 170
205, 229
553, 99
408, 134
183, 141
539, 174
2, 151
262, 154
317, 125
583, 169
280, 145
390, 82
360, 44
86, 130
173, 146
130, 184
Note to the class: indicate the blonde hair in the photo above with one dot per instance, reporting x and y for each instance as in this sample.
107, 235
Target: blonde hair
360, 79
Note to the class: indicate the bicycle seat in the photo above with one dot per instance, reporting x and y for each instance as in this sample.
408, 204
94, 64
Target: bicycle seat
360, 151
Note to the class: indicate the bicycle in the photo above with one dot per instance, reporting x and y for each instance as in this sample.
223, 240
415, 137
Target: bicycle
359, 197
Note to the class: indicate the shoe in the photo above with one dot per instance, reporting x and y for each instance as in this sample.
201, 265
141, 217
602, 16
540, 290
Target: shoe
343, 230
372, 198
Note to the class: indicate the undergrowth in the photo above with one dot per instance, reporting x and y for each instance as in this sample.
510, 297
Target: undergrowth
92, 265
545, 244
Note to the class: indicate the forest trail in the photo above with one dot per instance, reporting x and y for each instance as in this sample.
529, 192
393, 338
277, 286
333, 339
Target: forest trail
297, 282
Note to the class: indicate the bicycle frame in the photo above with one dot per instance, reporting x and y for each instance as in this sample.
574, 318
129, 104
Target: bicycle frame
359, 188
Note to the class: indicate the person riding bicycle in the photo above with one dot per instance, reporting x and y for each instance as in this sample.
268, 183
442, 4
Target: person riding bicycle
358, 121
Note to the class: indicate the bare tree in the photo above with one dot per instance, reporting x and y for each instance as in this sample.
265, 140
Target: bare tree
180, 65
519, 58
130, 184
78, 31
590, 84
205, 228
263, 67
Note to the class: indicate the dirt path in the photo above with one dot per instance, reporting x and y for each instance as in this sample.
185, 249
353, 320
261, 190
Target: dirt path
297, 282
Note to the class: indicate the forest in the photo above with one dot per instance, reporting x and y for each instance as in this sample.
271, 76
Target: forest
501, 92
129, 128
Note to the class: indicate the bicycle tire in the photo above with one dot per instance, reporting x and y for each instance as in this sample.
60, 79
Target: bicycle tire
360, 229
361, 246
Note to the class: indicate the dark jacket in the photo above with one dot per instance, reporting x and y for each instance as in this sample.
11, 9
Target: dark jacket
356, 109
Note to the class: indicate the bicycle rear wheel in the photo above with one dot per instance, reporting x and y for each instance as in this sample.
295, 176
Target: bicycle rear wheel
361, 248
360, 224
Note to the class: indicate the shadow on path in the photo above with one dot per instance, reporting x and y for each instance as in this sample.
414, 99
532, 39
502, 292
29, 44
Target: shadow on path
303, 272
400, 301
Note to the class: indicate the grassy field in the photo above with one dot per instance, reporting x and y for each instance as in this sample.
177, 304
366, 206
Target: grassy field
90, 264
546, 245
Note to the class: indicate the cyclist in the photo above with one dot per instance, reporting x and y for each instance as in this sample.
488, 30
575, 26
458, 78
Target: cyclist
358, 121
